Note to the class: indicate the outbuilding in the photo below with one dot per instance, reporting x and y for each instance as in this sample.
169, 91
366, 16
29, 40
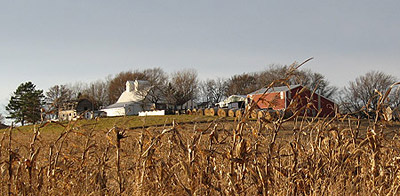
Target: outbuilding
233, 102
279, 98
71, 110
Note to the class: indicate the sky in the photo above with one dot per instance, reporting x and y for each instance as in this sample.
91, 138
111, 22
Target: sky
67, 41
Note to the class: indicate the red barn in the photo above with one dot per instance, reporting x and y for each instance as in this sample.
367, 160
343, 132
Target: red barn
279, 98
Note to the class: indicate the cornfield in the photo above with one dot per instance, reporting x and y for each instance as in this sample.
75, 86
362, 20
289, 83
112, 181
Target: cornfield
291, 154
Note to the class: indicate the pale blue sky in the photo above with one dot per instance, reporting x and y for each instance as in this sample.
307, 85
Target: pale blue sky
57, 42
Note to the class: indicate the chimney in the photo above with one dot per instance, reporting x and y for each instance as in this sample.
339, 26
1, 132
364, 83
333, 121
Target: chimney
128, 86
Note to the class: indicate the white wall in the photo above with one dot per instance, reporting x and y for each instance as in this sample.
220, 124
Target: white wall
115, 111
152, 113
128, 110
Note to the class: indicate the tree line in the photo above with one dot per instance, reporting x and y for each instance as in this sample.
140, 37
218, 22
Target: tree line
182, 86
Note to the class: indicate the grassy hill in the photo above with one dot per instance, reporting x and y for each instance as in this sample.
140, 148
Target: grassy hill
129, 122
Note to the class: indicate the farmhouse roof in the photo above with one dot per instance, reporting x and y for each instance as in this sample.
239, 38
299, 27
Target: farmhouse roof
119, 105
135, 91
275, 89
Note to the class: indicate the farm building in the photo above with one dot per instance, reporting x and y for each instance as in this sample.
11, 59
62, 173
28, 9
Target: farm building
72, 110
133, 100
233, 102
279, 98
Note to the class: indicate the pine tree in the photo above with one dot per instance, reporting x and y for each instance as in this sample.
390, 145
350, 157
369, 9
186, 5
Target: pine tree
25, 104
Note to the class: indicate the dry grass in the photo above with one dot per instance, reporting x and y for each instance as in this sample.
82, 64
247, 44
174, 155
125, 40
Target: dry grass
338, 156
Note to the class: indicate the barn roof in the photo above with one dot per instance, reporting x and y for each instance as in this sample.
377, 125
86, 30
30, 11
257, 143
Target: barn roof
275, 89
73, 104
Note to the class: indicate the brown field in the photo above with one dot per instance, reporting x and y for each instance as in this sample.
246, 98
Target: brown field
301, 156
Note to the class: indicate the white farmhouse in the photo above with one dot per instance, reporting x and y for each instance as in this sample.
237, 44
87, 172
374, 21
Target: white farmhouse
132, 100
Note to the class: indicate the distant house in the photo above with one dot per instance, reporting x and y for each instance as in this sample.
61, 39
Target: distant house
133, 100
71, 110
279, 98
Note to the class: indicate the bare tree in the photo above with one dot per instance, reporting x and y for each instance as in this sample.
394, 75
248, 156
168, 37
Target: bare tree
394, 100
317, 81
117, 84
242, 84
248, 82
271, 74
97, 92
158, 80
56, 96
307, 78
77, 89
213, 90
183, 86
394, 97
361, 92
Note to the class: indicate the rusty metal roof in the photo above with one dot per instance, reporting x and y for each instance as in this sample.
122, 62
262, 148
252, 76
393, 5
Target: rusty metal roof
275, 89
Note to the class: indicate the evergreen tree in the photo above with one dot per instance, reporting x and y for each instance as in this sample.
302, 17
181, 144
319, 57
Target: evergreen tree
25, 104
